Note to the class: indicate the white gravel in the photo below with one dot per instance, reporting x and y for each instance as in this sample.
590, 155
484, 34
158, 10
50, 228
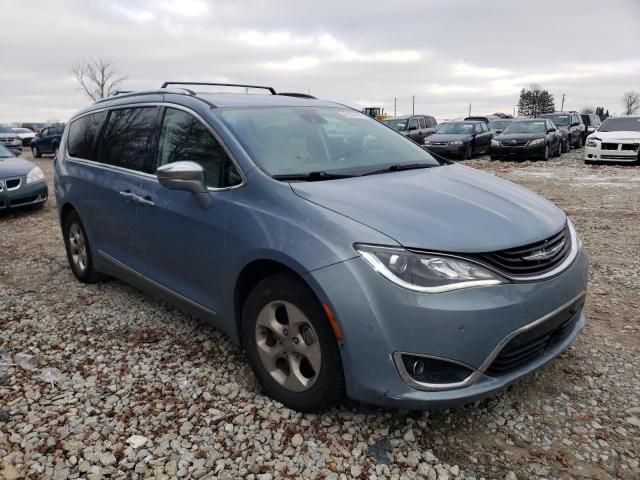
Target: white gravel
102, 381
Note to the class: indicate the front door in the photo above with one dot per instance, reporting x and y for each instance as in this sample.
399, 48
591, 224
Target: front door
183, 244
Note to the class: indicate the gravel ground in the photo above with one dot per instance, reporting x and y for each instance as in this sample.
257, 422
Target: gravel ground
102, 381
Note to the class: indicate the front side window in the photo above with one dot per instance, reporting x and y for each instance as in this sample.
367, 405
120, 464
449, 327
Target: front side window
298, 140
82, 135
184, 138
128, 139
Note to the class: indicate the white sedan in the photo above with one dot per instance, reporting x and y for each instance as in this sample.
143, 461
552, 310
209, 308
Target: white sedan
25, 135
616, 140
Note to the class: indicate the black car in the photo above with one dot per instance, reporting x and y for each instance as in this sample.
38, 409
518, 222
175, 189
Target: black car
460, 139
416, 127
22, 183
591, 122
571, 124
47, 141
526, 139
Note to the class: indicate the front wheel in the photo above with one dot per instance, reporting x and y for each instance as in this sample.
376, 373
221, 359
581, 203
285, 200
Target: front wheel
468, 154
559, 149
36, 151
290, 344
546, 152
579, 142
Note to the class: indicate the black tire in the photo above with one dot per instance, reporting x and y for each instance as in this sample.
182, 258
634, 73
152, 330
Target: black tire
468, 154
494, 158
328, 387
36, 151
579, 144
545, 155
55, 150
558, 152
86, 274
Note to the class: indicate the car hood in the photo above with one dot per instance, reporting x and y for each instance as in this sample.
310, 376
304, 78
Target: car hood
505, 137
450, 208
8, 135
14, 166
449, 137
619, 135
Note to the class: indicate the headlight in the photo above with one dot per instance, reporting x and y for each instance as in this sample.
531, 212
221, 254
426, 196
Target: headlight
426, 142
35, 175
537, 141
456, 142
495, 143
592, 142
426, 273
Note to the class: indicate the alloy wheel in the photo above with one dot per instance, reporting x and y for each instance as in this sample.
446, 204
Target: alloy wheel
288, 346
78, 247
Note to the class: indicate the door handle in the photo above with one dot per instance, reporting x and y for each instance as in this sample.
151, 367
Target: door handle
128, 195
146, 201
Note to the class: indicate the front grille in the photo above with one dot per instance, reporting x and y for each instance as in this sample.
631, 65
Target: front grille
440, 143
630, 147
617, 157
8, 139
533, 343
609, 146
16, 202
12, 183
535, 258
514, 143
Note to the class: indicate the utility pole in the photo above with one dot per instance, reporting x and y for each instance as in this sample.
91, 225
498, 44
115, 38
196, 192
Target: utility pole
469, 110
562, 107
395, 106
413, 105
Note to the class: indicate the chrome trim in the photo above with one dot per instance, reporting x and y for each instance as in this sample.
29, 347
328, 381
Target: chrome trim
153, 283
477, 373
150, 175
12, 188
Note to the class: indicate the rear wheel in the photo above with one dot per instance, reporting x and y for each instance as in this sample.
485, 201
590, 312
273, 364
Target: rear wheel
559, 149
468, 154
546, 152
290, 344
78, 249
36, 151
55, 150
579, 142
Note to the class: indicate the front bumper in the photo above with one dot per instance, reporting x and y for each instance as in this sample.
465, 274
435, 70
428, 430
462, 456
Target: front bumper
448, 151
17, 144
379, 319
596, 154
24, 195
525, 152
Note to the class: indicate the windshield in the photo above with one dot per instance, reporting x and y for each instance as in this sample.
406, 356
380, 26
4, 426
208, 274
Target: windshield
396, 124
5, 153
463, 128
620, 124
299, 140
526, 127
4, 129
559, 120
498, 124
22, 130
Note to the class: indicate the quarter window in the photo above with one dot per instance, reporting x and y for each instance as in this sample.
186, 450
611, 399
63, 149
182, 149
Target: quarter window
184, 138
128, 139
82, 135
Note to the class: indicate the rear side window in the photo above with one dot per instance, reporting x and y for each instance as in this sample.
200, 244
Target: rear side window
422, 124
184, 138
82, 135
413, 124
128, 139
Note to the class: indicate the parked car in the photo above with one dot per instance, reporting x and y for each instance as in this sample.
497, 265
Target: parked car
25, 135
460, 139
416, 127
497, 124
572, 125
526, 139
591, 123
359, 264
35, 127
22, 183
9, 138
617, 139
47, 141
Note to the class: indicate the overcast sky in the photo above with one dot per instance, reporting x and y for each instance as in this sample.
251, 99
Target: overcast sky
446, 53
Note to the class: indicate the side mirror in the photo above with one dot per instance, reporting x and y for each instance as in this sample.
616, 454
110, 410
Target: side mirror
187, 176
551, 130
575, 124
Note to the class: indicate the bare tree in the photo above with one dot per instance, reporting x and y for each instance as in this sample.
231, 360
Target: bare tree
98, 77
631, 102
588, 109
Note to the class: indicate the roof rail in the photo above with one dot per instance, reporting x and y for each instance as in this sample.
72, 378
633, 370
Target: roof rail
133, 93
273, 92
295, 94
120, 92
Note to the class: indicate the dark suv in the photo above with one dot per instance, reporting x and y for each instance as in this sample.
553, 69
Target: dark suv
416, 127
571, 124
591, 122
48, 140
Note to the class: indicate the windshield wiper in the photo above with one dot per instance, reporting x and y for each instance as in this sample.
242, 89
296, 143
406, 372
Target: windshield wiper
398, 167
312, 176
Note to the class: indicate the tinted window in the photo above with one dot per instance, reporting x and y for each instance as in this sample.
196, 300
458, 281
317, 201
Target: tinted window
82, 135
127, 140
45, 132
184, 138
413, 123
429, 122
59, 130
422, 124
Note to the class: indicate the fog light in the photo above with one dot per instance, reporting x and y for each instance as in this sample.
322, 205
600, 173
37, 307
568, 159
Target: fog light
434, 371
418, 367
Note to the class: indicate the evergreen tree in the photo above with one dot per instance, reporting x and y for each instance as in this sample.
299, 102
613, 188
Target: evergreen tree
535, 101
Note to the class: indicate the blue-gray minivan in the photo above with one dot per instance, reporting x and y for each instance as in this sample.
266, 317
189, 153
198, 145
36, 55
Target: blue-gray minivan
345, 259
